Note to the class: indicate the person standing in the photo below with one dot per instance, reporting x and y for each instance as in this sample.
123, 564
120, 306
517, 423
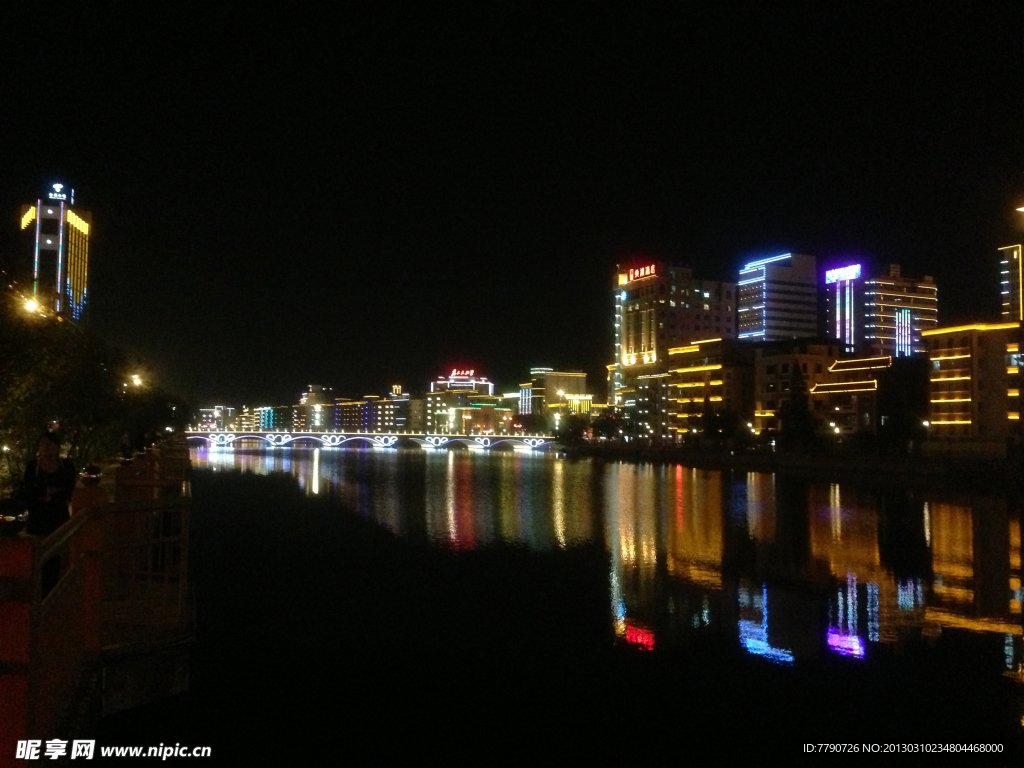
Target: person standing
47, 487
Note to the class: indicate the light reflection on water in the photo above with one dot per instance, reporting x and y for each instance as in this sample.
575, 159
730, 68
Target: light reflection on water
788, 569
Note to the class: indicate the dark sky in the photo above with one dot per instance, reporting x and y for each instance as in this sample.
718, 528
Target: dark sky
375, 195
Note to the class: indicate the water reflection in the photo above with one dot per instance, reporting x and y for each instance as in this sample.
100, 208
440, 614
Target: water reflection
784, 569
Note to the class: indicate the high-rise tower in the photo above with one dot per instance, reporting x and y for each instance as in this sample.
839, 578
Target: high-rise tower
1010, 267
58, 234
778, 298
897, 311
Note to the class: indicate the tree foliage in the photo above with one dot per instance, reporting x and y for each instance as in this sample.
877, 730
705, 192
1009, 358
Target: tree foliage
798, 431
58, 375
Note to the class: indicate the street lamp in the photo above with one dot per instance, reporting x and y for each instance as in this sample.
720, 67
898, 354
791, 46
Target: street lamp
31, 305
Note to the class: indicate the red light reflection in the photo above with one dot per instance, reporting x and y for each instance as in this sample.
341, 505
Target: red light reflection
640, 636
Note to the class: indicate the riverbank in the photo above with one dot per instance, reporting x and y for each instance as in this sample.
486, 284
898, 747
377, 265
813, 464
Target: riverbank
911, 471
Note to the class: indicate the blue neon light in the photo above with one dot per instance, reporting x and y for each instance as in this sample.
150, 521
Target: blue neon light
761, 262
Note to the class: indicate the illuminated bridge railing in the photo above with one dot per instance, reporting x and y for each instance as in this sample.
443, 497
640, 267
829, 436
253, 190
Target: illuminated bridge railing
374, 440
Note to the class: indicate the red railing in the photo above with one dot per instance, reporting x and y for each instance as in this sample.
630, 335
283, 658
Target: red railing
114, 578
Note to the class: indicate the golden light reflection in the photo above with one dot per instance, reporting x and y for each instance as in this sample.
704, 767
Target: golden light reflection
667, 529
952, 553
695, 536
558, 502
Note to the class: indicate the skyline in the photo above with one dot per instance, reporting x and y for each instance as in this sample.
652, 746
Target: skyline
366, 197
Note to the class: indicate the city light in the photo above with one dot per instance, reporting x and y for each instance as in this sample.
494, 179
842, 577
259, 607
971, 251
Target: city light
31, 305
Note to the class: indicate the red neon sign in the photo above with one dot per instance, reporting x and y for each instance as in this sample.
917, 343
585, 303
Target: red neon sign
639, 272
465, 372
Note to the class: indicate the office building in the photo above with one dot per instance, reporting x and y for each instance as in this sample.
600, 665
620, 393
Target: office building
974, 388
844, 306
217, 418
314, 411
57, 234
777, 364
450, 395
658, 306
846, 401
550, 389
273, 417
709, 377
778, 298
896, 311
401, 402
1010, 273
462, 379
371, 413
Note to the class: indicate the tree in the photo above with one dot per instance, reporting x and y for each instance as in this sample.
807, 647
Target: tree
56, 375
797, 431
606, 425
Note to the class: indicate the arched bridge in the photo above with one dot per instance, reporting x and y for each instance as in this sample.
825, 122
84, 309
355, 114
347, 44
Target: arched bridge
374, 439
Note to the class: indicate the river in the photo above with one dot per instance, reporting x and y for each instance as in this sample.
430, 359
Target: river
793, 574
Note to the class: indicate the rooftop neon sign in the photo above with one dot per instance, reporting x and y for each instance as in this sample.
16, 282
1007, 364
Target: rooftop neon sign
461, 372
851, 272
639, 272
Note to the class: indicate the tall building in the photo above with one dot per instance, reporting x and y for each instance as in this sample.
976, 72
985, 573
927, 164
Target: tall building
58, 236
974, 388
465, 379
659, 306
548, 388
370, 413
844, 306
778, 298
450, 396
709, 377
1010, 268
775, 367
896, 311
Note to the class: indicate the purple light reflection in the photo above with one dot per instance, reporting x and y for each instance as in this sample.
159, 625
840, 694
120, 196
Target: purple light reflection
847, 645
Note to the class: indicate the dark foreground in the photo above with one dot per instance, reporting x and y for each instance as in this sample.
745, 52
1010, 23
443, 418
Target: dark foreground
324, 638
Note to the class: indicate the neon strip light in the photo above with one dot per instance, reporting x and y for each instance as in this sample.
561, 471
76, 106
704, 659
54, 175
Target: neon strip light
952, 400
836, 365
1013, 416
849, 386
762, 262
1014, 347
29, 216
35, 274
78, 222
951, 378
748, 335
60, 256
951, 357
1012, 369
1013, 393
839, 313
968, 421
683, 350
974, 327
695, 368
748, 282
849, 313
904, 331
705, 341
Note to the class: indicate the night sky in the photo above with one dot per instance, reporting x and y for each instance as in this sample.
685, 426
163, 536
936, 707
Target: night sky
376, 195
